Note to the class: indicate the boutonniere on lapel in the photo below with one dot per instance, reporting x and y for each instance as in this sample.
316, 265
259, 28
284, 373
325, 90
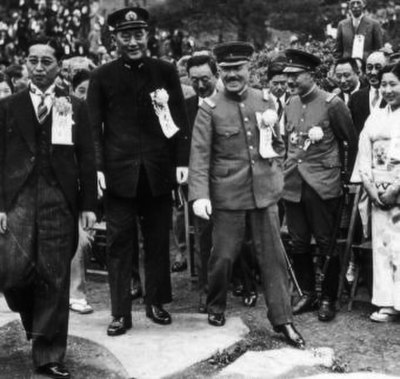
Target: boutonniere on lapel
266, 122
159, 98
61, 132
315, 135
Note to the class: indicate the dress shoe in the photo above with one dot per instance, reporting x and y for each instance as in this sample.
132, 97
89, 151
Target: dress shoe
119, 325
250, 300
292, 336
308, 302
53, 370
327, 311
179, 266
136, 292
158, 314
216, 319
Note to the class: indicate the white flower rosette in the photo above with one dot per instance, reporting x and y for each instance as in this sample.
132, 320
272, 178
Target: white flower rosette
266, 122
315, 135
61, 131
159, 99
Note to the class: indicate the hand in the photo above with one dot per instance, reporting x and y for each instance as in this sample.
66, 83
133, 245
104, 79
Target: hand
389, 196
87, 220
101, 184
202, 208
3, 222
182, 175
373, 194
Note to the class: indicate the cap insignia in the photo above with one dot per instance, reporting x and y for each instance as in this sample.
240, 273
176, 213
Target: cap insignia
131, 16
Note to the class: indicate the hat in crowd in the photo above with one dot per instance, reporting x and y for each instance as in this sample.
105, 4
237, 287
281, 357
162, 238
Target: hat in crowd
394, 58
298, 60
128, 18
233, 53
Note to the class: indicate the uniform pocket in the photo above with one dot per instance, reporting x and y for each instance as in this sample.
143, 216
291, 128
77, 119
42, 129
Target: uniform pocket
227, 132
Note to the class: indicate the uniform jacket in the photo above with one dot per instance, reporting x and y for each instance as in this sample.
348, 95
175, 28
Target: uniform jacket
73, 166
359, 107
368, 27
127, 131
225, 164
319, 165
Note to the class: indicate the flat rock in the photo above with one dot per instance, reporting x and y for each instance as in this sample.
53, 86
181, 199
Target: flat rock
153, 351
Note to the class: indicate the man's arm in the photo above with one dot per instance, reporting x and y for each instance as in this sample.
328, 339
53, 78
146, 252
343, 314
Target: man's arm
377, 37
338, 52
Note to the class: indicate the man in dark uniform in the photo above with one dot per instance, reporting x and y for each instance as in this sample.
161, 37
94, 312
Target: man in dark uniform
137, 112
233, 179
47, 176
316, 124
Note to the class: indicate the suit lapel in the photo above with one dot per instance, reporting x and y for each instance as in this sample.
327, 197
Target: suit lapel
25, 116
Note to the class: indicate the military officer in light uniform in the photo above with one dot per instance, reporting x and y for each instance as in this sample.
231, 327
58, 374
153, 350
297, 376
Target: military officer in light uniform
316, 124
230, 182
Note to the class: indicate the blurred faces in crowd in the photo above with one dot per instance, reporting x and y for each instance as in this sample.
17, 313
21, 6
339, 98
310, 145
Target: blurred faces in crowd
18, 75
202, 71
80, 84
5, 86
390, 87
375, 63
235, 78
300, 83
356, 7
346, 75
278, 85
131, 43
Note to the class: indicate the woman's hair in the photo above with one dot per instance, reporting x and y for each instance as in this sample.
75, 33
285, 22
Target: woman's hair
392, 68
80, 77
5, 78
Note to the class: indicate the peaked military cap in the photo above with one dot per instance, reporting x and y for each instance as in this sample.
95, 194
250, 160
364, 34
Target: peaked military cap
233, 53
298, 60
128, 18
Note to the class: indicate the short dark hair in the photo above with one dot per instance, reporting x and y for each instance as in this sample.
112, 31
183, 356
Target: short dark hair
275, 68
391, 68
351, 61
199, 60
52, 42
80, 77
14, 71
5, 78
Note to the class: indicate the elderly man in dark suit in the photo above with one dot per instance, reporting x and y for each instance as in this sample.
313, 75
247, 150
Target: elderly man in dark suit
359, 35
317, 125
47, 176
364, 101
137, 112
236, 177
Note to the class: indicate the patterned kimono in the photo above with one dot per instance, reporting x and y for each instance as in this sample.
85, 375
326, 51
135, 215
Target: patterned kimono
378, 161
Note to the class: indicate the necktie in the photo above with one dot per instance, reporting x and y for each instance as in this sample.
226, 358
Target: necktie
42, 110
280, 108
375, 98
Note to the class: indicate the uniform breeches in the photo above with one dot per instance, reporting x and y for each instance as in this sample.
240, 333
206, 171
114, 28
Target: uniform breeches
154, 215
41, 224
228, 236
313, 216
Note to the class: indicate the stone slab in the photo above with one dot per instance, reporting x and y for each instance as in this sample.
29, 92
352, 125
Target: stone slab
153, 351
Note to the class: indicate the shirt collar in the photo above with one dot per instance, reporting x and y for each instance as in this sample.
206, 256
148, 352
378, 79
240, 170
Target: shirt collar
201, 99
310, 95
35, 90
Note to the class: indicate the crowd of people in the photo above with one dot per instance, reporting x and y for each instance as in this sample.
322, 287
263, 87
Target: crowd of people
249, 161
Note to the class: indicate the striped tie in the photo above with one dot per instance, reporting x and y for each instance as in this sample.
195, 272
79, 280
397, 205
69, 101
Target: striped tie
42, 110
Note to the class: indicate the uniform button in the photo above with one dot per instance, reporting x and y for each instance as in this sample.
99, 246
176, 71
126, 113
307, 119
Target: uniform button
246, 119
251, 147
32, 159
249, 133
241, 105
299, 161
252, 162
302, 120
304, 106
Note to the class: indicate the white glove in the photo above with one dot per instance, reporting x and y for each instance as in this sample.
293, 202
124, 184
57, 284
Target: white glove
202, 208
182, 175
101, 184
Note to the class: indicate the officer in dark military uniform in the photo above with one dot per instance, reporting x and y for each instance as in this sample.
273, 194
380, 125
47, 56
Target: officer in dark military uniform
136, 106
317, 124
233, 180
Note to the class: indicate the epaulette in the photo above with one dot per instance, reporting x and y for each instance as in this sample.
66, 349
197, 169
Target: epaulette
266, 94
209, 102
330, 97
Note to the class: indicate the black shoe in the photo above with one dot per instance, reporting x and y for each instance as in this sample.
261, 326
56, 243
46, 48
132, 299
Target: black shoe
119, 325
158, 314
136, 292
308, 302
292, 336
179, 266
216, 319
250, 300
327, 311
53, 370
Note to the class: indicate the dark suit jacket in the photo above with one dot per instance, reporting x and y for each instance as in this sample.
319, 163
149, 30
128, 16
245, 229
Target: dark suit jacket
127, 131
192, 106
359, 107
73, 166
368, 27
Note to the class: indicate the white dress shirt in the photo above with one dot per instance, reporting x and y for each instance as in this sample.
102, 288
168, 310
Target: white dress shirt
37, 94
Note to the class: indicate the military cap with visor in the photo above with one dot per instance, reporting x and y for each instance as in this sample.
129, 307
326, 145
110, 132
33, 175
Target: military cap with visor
299, 61
128, 18
233, 53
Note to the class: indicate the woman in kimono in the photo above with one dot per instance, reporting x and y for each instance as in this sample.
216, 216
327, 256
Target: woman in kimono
378, 168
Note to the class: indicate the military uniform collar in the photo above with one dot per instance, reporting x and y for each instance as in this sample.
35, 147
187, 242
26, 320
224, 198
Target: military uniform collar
240, 96
132, 64
310, 95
